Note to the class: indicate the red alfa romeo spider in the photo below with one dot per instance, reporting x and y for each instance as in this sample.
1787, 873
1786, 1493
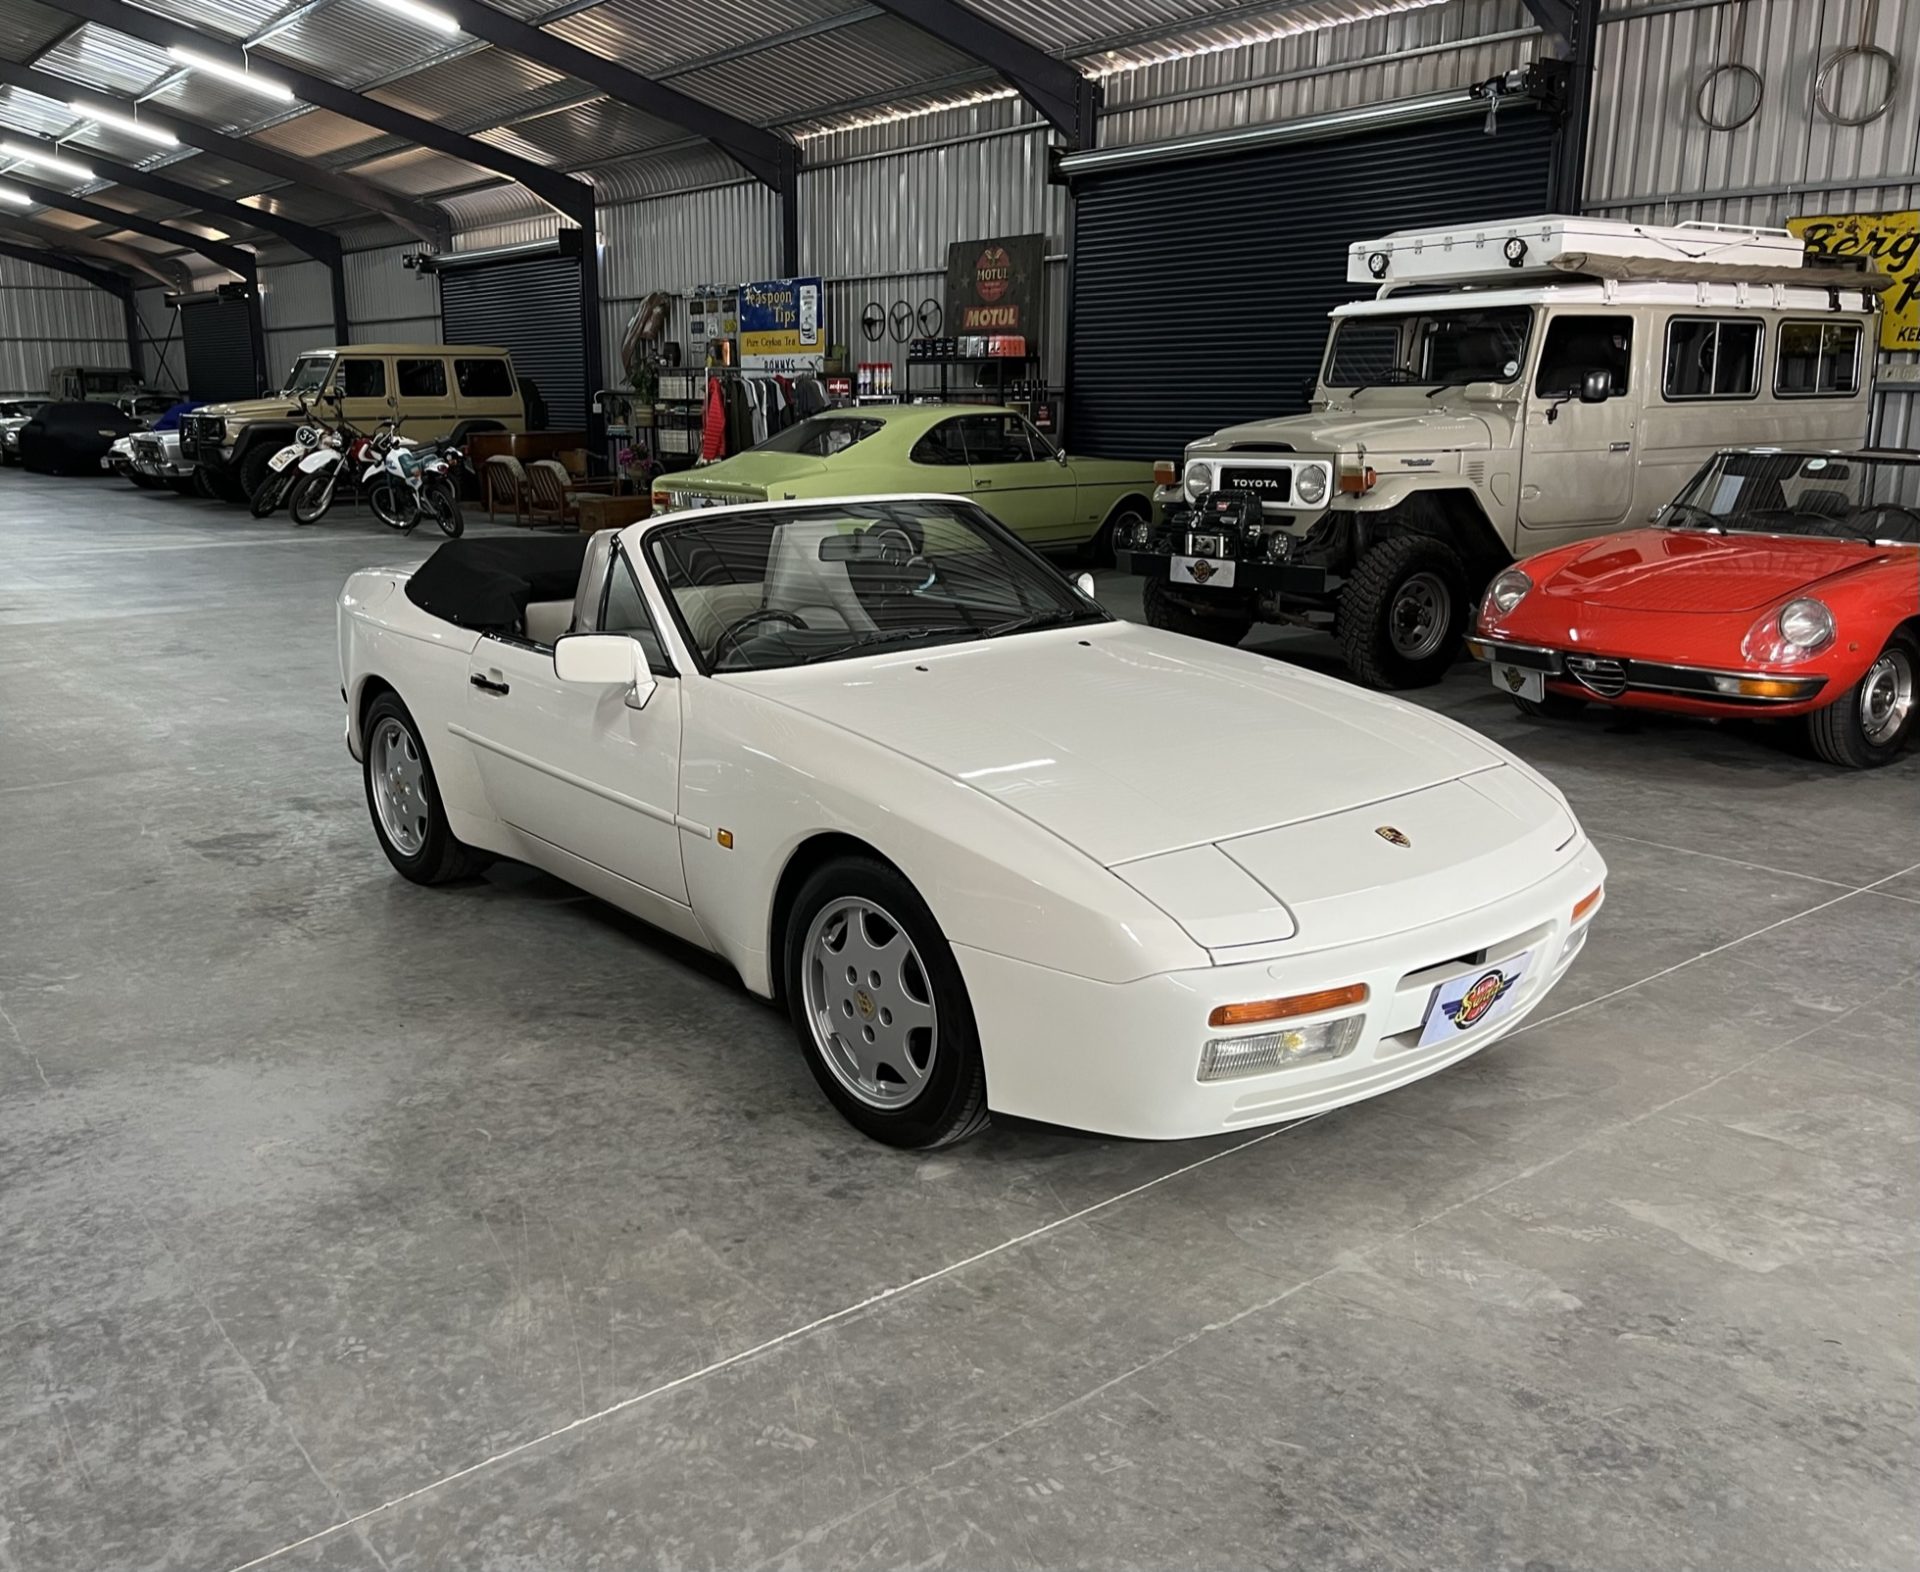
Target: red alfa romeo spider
1777, 584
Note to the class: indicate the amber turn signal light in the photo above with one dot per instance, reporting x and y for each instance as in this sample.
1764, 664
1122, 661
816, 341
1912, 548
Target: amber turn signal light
1587, 902
1284, 1009
1165, 473
1355, 481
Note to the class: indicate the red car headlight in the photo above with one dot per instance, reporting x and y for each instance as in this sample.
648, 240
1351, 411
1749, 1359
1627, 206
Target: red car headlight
1789, 633
1506, 591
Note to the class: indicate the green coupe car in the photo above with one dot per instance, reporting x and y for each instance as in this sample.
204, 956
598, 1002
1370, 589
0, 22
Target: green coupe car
991, 455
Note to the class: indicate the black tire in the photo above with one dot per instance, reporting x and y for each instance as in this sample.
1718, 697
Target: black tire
183, 486
1167, 608
1403, 613
1099, 550
312, 495
272, 492
224, 486
439, 858
952, 1105
443, 502
252, 467
1843, 732
391, 505
1554, 706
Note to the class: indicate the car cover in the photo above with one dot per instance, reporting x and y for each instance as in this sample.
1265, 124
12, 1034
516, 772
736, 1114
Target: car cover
487, 585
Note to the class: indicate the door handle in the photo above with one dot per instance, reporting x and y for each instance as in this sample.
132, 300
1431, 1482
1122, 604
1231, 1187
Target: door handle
485, 685
979, 483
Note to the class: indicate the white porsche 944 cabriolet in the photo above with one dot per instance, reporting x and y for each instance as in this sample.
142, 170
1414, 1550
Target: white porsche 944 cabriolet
994, 848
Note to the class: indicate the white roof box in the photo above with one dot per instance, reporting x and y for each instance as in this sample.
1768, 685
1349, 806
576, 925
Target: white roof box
1485, 252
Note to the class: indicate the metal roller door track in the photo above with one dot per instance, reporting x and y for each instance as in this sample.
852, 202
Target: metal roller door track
1201, 289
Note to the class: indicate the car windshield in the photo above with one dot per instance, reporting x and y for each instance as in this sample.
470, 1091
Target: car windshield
1427, 348
1840, 496
309, 374
820, 436
773, 588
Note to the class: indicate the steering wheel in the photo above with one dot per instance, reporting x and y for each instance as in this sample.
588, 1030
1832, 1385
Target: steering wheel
734, 630
898, 550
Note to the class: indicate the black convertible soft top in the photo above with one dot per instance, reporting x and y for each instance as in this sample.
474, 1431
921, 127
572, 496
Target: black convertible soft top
487, 584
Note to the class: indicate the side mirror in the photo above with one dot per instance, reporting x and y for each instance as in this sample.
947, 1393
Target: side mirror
1596, 387
603, 660
1083, 582
1060, 457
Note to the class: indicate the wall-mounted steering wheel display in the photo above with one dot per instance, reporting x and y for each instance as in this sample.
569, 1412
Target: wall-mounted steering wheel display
873, 321
900, 321
930, 317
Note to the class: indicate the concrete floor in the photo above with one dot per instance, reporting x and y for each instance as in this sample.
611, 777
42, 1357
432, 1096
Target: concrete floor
345, 1224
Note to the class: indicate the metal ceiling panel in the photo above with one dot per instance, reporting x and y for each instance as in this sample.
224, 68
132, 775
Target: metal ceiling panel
26, 28
684, 169
213, 102
653, 36
60, 220
235, 19
109, 61
587, 133
305, 205
479, 89
353, 43
420, 172
1065, 30
812, 75
317, 133
30, 112
217, 176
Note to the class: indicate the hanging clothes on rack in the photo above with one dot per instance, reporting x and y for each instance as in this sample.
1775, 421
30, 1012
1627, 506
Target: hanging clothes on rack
713, 422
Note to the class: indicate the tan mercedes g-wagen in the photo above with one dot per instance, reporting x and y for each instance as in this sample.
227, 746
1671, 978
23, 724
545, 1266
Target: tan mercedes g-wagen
1507, 389
437, 390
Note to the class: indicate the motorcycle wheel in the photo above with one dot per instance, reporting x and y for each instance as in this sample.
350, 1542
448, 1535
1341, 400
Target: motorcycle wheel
444, 505
271, 493
391, 504
313, 496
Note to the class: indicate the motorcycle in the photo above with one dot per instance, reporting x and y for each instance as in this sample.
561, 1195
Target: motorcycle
283, 471
408, 484
343, 452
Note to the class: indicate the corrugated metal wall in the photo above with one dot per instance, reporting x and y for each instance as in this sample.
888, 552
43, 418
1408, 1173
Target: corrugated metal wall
297, 307
388, 303
1652, 158
162, 350
50, 319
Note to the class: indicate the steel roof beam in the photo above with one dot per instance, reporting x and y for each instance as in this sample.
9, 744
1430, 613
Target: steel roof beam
767, 157
164, 271
1069, 101
572, 197
410, 216
232, 258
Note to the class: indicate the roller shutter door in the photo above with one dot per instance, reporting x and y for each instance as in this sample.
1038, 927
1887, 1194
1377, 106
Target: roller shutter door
530, 305
1201, 289
220, 352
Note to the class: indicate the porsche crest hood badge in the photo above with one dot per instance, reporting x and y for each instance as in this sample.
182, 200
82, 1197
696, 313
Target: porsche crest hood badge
1393, 837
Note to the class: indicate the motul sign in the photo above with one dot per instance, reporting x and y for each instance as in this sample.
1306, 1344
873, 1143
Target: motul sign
996, 286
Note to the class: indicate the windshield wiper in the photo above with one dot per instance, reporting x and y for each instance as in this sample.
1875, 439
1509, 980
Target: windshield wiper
890, 636
1034, 620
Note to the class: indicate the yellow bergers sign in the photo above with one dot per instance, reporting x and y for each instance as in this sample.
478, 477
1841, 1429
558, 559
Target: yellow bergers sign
1892, 242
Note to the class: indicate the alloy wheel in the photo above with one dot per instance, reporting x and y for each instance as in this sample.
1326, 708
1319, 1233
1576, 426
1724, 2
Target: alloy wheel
869, 1003
1886, 697
399, 787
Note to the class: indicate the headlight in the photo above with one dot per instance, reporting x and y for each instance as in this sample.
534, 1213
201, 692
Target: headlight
1197, 481
1507, 591
1806, 625
1310, 483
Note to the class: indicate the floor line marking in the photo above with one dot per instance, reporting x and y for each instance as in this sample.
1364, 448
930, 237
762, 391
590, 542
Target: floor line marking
885, 1295
1756, 867
777, 1341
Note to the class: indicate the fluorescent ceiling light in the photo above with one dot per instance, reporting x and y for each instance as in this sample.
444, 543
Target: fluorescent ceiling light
425, 15
125, 124
17, 198
46, 161
239, 76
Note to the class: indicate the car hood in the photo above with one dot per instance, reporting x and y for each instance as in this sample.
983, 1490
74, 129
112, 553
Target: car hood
1127, 742
244, 409
1674, 570
755, 475
1389, 430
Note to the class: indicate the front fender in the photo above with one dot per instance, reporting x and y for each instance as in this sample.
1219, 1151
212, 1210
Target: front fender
775, 778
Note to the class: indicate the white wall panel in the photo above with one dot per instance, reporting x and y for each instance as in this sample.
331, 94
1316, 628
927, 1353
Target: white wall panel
49, 319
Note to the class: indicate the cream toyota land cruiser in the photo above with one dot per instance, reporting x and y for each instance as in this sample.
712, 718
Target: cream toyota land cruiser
439, 390
1507, 389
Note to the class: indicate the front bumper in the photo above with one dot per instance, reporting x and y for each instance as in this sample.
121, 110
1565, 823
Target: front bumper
1250, 577
1123, 1059
1644, 684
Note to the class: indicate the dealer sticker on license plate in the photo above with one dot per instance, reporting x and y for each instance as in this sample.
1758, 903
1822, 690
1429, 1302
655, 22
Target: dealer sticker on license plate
1201, 570
1522, 684
1473, 999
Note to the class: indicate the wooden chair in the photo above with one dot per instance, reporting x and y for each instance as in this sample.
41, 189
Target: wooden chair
553, 496
506, 477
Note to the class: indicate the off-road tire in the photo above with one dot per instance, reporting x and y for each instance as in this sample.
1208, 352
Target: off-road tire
1838, 732
1168, 609
441, 859
1372, 599
953, 1104
252, 468
304, 505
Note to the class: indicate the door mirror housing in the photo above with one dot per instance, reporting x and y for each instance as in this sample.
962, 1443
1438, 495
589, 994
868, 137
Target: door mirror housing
603, 660
1060, 457
1596, 387
1083, 582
